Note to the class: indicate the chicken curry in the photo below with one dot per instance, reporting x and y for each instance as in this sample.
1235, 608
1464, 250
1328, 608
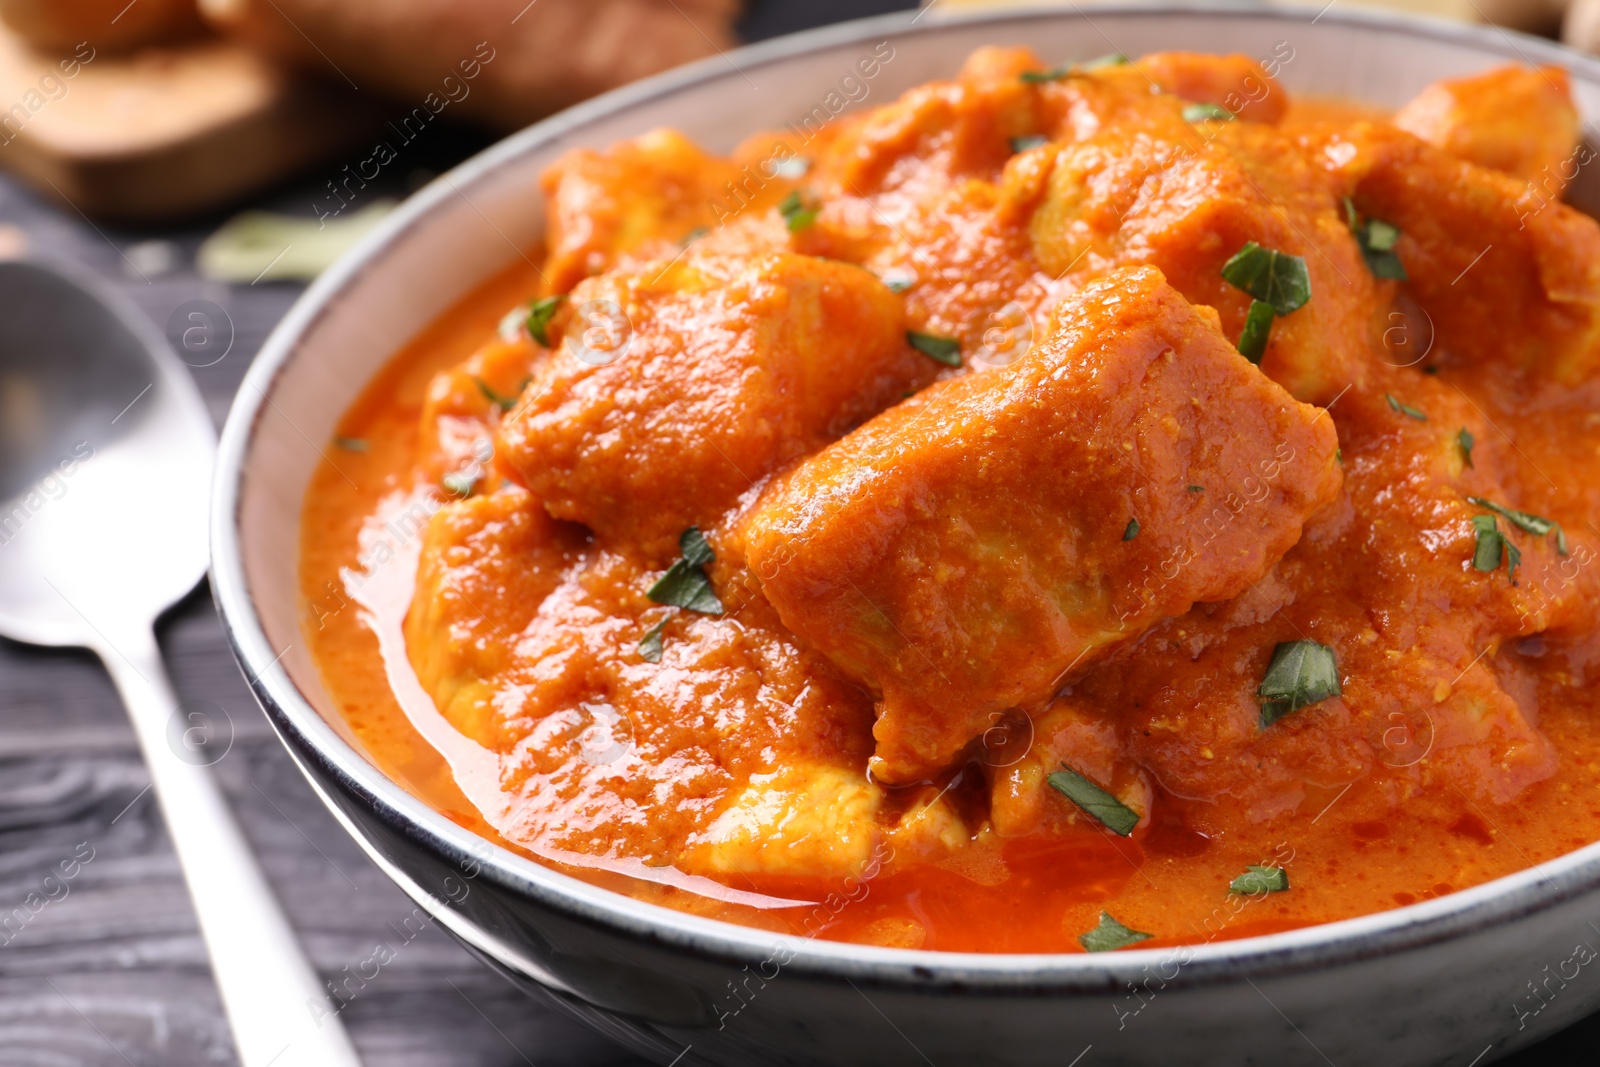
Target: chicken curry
1060, 509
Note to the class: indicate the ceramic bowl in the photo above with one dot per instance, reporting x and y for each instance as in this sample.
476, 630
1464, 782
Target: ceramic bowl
1440, 982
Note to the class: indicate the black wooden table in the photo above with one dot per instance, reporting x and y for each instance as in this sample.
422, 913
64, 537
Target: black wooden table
111, 971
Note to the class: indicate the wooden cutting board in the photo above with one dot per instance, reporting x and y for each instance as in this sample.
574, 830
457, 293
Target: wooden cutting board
165, 132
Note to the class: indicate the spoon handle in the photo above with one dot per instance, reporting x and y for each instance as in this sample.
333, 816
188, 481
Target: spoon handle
275, 1003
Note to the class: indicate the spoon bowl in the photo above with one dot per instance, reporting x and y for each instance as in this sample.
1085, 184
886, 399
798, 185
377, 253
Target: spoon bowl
105, 455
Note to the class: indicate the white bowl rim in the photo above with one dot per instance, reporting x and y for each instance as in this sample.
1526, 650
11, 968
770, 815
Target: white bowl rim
1523, 893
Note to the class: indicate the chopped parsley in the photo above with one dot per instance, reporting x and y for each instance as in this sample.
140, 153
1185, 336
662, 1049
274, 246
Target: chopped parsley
1039, 77
352, 444
692, 236
1258, 878
1301, 674
1377, 240
1110, 59
459, 483
500, 400
1195, 488
1404, 408
650, 643
1095, 802
1022, 144
541, 311
685, 585
1279, 285
1130, 531
1204, 112
1111, 935
1066, 70
1270, 276
1493, 546
1465, 441
1257, 328
796, 214
946, 350
1537, 525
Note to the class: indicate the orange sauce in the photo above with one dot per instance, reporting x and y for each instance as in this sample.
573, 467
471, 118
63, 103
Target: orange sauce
1464, 746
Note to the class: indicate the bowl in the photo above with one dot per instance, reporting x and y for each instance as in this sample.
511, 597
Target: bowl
1438, 982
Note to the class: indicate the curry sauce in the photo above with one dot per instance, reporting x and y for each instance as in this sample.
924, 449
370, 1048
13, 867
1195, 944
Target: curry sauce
1063, 508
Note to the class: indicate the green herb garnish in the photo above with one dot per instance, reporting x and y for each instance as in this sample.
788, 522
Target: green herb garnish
1095, 802
500, 400
1491, 543
1405, 409
459, 483
1110, 59
1203, 112
1022, 144
1195, 488
1301, 673
685, 585
1377, 240
1537, 525
1522, 520
693, 235
1260, 879
1465, 441
541, 311
1270, 276
1257, 328
796, 215
1131, 531
946, 350
1493, 546
1039, 77
1067, 70
1111, 935
650, 643
352, 444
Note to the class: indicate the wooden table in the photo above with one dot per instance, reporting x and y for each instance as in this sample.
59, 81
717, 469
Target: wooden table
113, 973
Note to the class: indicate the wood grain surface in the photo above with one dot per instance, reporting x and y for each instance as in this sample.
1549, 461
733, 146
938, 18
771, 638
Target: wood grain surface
112, 972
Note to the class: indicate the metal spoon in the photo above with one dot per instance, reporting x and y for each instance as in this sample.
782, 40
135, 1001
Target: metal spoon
105, 458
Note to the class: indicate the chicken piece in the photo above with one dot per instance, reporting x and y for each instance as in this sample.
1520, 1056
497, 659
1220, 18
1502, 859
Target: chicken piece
638, 200
1515, 119
456, 427
936, 134
486, 565
719, 371
1420, 636
933, 188
965, 550
910, 192
736, 752
1234, 82
811, 819
1150, 192
1483, 249
1071, 734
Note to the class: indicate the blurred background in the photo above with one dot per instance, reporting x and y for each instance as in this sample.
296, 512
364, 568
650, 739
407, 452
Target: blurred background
208, 158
